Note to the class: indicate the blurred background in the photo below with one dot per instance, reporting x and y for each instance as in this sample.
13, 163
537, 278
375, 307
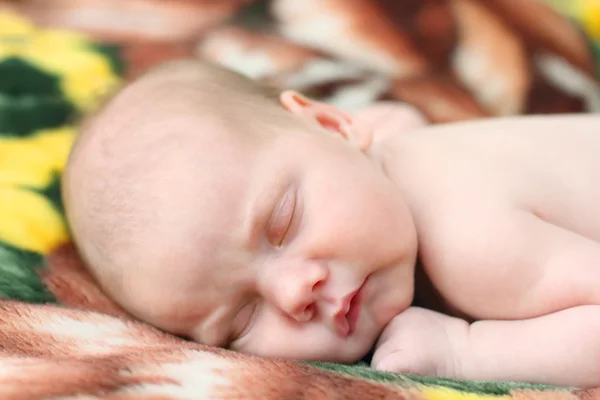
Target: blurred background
452, 59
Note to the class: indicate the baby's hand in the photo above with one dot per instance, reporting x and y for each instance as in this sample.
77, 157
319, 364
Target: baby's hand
422, 342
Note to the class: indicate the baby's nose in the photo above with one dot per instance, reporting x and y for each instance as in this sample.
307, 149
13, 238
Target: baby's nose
303, 313
300, 291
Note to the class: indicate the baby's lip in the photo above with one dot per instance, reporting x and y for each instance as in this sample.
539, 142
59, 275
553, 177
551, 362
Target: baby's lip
346, 317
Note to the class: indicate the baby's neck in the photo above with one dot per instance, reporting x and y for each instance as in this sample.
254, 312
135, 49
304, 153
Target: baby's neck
393, 153
383, 149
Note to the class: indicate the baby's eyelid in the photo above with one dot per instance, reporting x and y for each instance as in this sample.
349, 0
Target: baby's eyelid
282, 218
249, 320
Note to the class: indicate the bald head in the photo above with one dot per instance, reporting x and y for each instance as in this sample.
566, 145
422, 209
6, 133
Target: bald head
132, 153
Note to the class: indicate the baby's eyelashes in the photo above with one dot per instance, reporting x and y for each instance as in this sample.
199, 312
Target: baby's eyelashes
281, 220
244, 320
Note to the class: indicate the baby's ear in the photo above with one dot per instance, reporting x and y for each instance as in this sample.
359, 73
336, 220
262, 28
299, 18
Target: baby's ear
327, 117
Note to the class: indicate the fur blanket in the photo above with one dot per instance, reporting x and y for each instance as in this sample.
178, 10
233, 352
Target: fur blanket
62, 338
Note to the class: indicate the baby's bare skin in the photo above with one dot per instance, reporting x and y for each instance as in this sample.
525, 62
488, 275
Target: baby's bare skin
287, 228
509, 234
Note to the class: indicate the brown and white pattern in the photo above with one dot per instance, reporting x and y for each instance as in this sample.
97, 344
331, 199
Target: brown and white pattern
452, 59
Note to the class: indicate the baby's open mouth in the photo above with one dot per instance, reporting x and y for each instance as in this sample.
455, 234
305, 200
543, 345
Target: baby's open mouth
347, 317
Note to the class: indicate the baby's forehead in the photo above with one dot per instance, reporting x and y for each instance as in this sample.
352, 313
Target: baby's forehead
174, 122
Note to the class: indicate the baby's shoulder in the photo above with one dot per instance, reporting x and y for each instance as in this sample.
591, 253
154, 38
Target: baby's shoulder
456, 233
469, 254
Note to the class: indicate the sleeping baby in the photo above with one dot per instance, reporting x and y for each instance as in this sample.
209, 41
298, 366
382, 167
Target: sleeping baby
268, 223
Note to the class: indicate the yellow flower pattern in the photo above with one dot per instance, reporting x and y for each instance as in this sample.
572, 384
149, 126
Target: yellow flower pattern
587, 12
29, 165
31, 162
85, 74
437, 393
29, 220
591, 18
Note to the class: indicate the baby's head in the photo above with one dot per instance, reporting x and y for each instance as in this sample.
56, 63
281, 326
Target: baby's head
214, 209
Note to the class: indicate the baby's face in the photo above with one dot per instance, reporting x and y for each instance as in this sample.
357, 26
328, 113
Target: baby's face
297, 247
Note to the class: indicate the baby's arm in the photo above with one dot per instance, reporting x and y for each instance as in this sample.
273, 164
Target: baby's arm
560, 348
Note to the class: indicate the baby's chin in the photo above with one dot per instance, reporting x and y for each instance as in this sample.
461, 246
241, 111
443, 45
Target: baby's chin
353, 356
350, 350
336, 350
349, 355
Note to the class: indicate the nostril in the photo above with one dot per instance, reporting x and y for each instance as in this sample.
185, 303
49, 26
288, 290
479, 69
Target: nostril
317, 285
305, 314
308, 312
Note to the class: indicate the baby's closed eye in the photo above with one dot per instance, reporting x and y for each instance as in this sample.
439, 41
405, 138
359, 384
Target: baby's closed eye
282, 218
243, 321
